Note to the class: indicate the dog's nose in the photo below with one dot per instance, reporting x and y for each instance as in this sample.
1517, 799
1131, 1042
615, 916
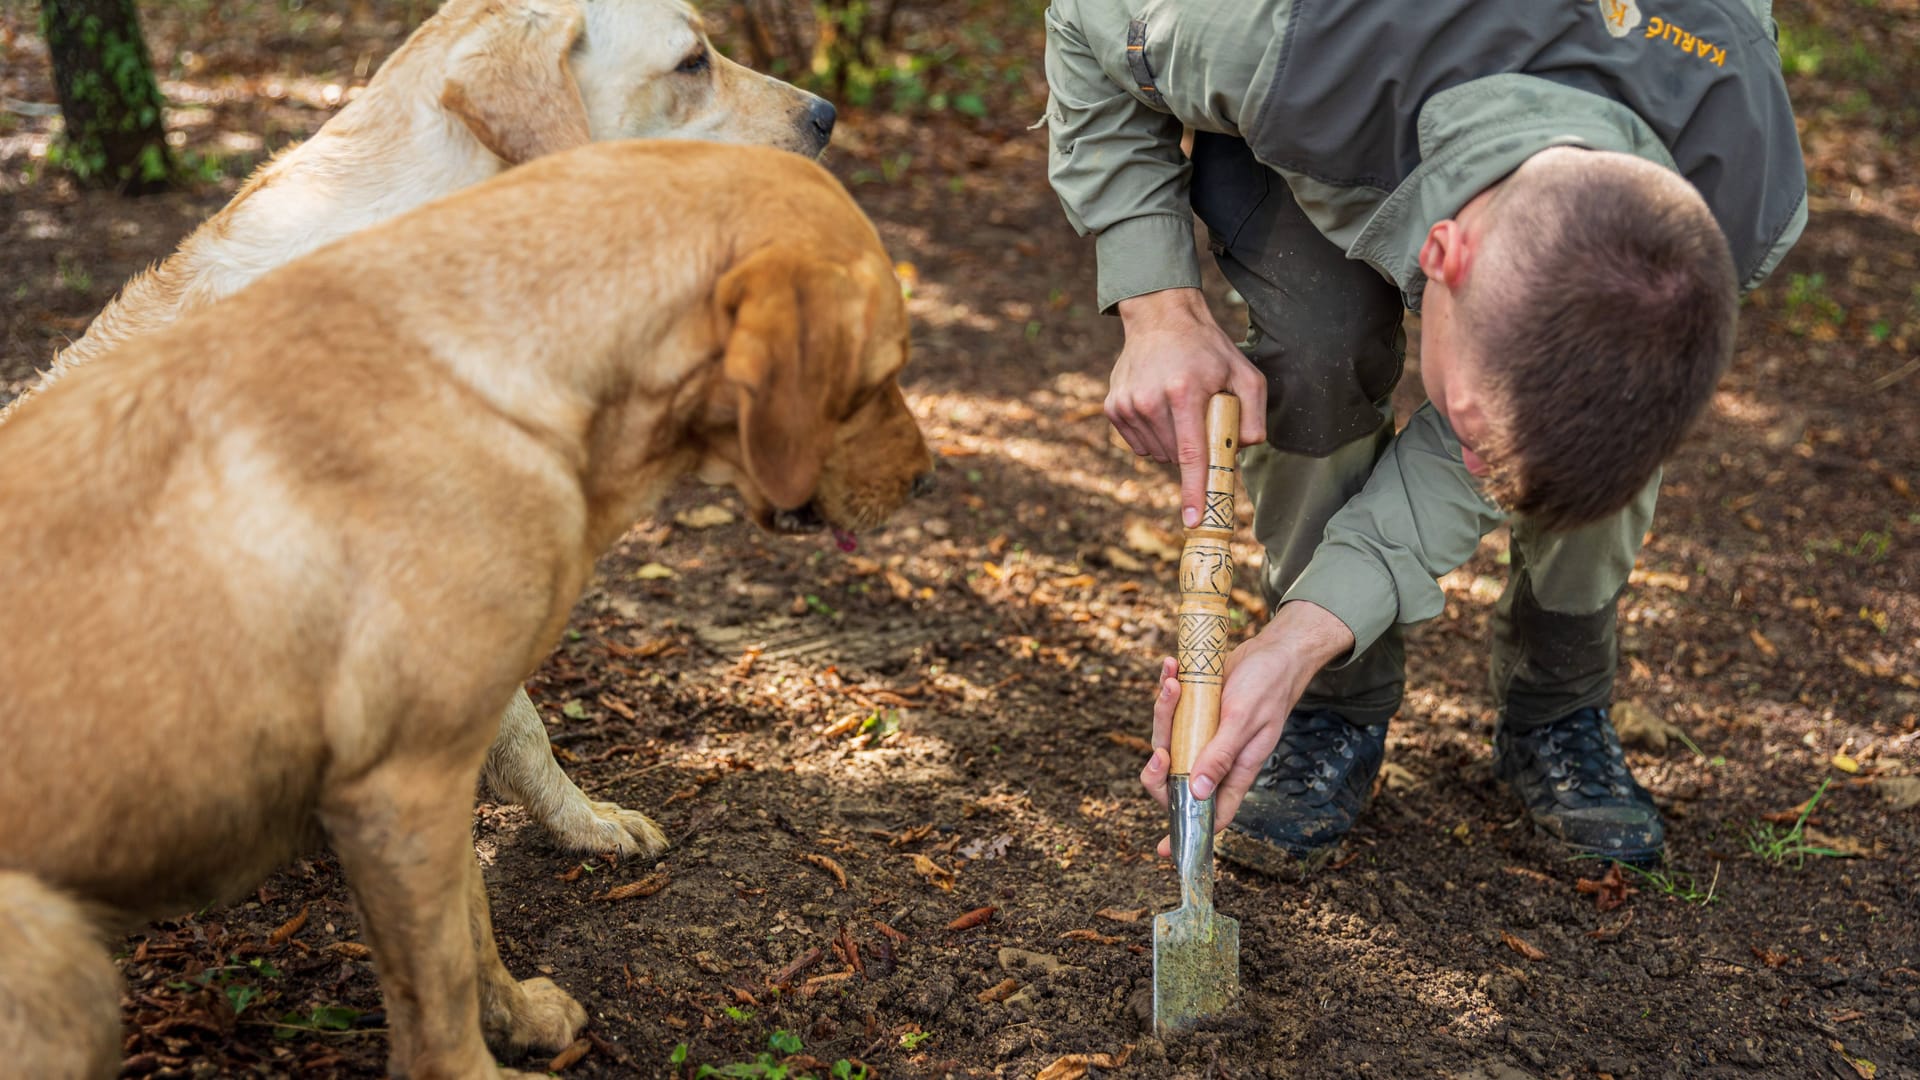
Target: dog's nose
820, 118
923, 484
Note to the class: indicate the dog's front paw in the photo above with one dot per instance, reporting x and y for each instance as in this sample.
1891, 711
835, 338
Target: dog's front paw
536, 1015
596, 827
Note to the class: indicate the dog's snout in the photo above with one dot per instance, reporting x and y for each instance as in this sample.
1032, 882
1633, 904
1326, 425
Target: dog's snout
820, 118
923, 484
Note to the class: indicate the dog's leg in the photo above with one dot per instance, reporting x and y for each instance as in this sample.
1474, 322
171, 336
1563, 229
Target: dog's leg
404, 835
521, 769
516, 1015
59, 992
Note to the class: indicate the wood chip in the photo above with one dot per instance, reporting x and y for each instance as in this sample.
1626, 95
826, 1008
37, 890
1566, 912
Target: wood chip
1530, 874
805, 960
1120, 915
1767, 648
999, 991
646, 886
282, 934
827, 864
1075, 1066
911, 836
935, 874
1521, 946
571, 1054
974, 918
1131, 742
614, 705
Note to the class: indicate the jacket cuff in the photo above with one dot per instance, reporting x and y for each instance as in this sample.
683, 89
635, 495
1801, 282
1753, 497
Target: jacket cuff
1145, 254
1356, 589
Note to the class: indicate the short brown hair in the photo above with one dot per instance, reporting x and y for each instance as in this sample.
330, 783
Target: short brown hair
1610, 321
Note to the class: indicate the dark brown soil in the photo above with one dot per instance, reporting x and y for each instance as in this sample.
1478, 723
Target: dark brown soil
998, 644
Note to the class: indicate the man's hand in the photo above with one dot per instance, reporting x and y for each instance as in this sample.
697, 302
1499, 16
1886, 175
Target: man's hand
1265, 678
1174, 359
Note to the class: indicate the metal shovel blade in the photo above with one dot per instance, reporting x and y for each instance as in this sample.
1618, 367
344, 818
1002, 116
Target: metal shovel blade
1196, 950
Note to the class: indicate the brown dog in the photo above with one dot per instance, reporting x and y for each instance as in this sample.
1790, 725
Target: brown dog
361, 497
480, 86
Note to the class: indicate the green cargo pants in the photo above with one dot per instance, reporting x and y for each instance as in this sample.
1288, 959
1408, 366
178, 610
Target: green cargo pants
1326, 332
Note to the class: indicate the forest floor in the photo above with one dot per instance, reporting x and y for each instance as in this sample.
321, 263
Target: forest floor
854, 752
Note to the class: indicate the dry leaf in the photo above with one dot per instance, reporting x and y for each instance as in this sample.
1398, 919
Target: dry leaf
1520, 946
1395, 777
1768, 956
976, 917
1610, 890
910, 836
1900, 792
646, 886
654, 571
1638, 725
1845, 847
1132, 742
289, 928
1094, 936
1075, 1066
1529, 872
1120, 915
351, 949
935, 874
1151, 541
570, 1055
829, 866
1122, 561
705, 517
999, 991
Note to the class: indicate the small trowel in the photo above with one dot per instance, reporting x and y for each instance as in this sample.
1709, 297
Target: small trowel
1196, 950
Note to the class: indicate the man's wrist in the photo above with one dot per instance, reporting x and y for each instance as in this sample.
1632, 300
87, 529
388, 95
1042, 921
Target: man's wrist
1165, 309
1315, 636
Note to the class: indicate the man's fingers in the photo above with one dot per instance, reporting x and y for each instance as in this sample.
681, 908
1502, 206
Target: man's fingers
1190, 451
1246, 769
1251, 388
1154, 776
1164, 702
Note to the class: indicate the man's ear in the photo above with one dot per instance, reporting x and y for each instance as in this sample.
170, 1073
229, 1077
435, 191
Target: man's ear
1447, 254
509, 81
795, 331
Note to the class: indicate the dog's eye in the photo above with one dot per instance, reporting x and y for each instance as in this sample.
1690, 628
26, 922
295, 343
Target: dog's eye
695, 63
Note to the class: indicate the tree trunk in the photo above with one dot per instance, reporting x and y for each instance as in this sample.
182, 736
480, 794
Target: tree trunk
114, 135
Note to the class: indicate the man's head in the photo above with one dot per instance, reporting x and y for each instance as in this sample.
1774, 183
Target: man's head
1577, 316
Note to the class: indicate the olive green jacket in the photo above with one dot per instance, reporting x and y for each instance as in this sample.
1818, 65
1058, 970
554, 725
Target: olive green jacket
1383, 119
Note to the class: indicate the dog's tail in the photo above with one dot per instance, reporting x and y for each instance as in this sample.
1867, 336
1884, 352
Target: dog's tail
59, 992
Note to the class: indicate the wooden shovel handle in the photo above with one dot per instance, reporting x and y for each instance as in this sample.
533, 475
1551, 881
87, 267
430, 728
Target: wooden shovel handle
1206, 587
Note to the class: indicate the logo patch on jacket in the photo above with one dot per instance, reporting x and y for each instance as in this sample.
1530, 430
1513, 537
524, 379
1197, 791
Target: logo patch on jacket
1620, 16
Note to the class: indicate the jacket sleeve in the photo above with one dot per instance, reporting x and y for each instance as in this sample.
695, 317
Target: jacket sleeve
1420, 515
1117, 166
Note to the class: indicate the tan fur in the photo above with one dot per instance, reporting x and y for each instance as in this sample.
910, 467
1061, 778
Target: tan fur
480, 86
361, 497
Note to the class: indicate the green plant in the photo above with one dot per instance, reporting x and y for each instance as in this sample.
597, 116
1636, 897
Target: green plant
1677, 884
1809, 304
1774, 846
320, 1020
765, 1065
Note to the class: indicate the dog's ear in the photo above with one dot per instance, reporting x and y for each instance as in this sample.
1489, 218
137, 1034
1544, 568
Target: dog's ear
796, 325
509, 80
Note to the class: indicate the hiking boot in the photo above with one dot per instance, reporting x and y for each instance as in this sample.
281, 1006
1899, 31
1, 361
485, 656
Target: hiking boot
1575, 783
1313, 787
